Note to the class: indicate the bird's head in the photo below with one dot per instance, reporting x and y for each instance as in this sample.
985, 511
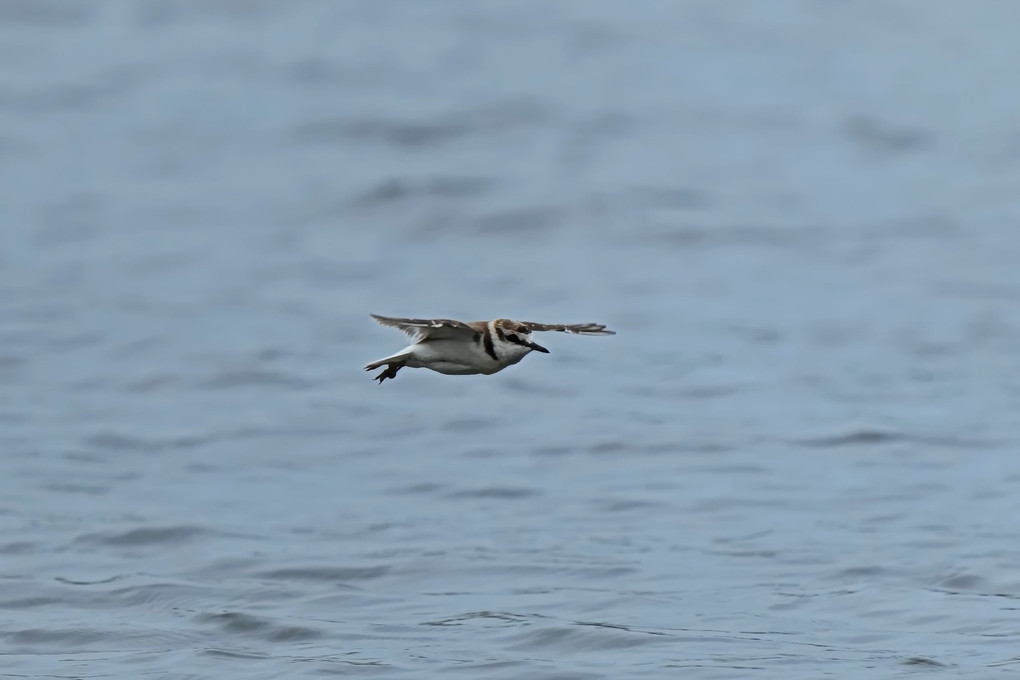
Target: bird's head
516, 333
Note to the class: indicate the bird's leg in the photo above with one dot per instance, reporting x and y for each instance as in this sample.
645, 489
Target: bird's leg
390, 372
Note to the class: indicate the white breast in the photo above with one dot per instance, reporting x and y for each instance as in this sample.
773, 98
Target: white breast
456, 357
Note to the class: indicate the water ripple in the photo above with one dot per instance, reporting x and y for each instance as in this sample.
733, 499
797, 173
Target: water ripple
144, 536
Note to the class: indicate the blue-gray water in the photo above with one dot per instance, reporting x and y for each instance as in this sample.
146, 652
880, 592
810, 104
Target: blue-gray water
797, 459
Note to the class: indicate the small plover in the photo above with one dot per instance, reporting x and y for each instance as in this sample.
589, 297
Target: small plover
458, 348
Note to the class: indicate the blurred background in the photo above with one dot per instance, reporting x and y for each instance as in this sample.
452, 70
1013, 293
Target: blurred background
797, 457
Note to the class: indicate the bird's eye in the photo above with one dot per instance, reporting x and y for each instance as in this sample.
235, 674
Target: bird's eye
522, 329
512, 338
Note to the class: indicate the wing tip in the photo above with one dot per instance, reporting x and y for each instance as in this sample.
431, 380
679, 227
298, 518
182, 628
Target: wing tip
595, 329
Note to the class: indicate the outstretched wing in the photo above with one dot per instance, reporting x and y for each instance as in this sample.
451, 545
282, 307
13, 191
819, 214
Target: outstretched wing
434, 329
575, 328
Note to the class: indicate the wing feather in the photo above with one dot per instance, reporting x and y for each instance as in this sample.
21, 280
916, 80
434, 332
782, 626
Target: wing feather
420, 329
575, 328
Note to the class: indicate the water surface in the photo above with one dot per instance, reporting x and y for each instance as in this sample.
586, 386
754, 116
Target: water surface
797, 458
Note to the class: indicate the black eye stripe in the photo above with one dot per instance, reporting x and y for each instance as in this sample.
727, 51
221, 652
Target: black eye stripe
514, 338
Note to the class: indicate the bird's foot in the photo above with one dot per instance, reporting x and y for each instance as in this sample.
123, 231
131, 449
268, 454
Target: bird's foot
390, 372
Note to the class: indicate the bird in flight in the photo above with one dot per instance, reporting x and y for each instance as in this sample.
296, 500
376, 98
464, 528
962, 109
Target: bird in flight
468, 348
